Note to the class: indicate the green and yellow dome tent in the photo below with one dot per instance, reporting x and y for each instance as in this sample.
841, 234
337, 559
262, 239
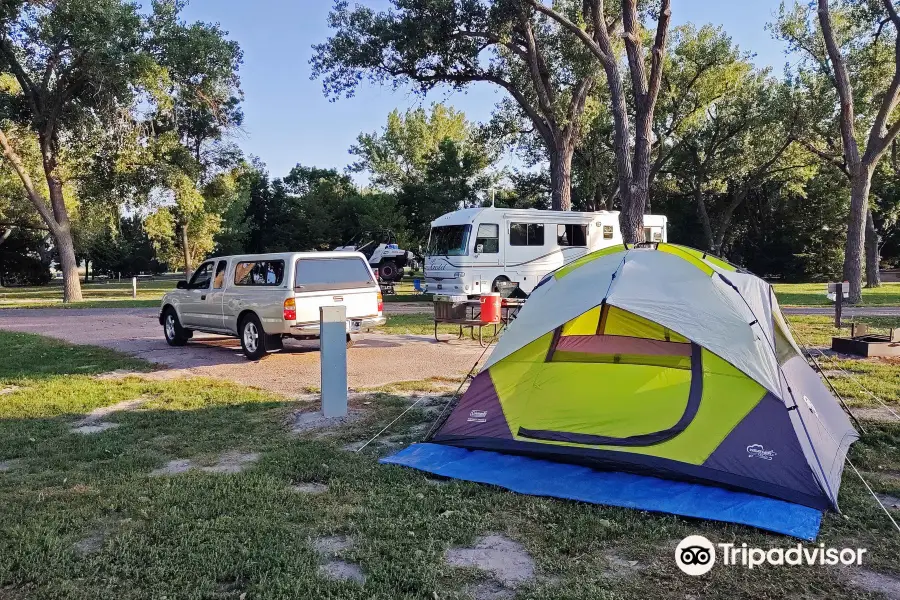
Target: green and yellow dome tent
659, 361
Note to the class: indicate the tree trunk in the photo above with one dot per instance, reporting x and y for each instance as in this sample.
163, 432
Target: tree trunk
187, 252
631, 218
57, 219
71, 281
703, 214
62, 233
599, 202
873, 256
561, 178
860, 183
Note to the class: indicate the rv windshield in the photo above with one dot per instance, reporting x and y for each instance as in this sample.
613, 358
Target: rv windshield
451, 240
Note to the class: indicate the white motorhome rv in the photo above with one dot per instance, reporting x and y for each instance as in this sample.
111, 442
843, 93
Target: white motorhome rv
471, 250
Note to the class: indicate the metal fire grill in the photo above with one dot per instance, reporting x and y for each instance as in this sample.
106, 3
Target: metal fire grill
863, 343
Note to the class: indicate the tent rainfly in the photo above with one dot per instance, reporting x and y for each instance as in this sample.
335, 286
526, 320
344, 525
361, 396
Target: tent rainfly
660, 361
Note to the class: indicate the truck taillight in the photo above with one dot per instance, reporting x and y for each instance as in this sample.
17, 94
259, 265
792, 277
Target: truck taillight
380, 302
290, 310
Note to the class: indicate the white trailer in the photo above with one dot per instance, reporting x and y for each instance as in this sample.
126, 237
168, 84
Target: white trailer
471, 250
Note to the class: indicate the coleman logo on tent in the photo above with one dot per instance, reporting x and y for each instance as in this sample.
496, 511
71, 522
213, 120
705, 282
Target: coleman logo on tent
477, 416
757, 451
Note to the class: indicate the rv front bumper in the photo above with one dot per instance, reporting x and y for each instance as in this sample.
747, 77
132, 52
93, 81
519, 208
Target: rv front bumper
446, 286
353, 326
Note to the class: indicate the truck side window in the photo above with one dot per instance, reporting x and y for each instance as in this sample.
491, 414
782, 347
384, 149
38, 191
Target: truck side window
571, 235
488, 238
202, 277
526, 234
219, 281
259, 273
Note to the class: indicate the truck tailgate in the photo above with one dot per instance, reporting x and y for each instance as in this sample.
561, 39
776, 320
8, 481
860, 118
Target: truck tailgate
360, 303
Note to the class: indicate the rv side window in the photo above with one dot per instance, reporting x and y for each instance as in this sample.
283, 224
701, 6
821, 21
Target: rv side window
488, 238
571, 235
652, 234
526, 234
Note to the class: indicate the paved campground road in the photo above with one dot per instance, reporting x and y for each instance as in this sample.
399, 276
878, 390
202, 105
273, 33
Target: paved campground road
375, 360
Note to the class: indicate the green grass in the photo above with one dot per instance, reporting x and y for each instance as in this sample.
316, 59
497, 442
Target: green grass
813, 294
851, 377
96, 295
204, 535
33, 356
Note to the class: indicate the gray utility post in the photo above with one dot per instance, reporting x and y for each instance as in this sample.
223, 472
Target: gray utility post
134, 287
333, 341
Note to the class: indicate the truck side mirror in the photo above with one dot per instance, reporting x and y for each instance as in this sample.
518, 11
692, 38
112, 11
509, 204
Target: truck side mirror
479, 248
181, 285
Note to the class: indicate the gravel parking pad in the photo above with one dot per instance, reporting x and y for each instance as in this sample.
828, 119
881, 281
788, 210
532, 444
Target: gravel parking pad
375, 360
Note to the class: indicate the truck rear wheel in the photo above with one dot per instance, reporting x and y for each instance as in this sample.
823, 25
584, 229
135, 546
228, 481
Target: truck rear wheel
388, 271
254, 340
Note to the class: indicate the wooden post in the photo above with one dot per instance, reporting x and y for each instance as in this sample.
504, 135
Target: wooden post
838, 304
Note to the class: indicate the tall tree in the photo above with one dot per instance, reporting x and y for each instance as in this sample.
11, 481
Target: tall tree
854, 45
505, 43
746, 140
197, 105
595, 25
432, 162
399, 154
75, 62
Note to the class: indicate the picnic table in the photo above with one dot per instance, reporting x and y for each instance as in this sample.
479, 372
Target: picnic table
467, 314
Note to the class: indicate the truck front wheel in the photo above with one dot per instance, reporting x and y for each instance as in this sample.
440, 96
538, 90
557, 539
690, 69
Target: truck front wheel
176, 335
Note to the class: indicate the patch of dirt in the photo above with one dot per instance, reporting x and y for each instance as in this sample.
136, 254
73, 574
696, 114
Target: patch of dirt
621, 567
309, 488
9, 390
173, 467
331, 545
338, 570
311, 421
118, 374
877, 583
489, 590
436, 482
232, 462
874, 414
891, 502
93, 428
89, 545
9, 465
833, 374
506, 560
229, 462
353, 446
98, 414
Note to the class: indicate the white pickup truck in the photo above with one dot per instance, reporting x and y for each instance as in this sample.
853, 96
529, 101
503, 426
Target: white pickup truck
264, 298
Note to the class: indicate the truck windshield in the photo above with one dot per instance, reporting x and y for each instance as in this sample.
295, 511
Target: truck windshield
450, 240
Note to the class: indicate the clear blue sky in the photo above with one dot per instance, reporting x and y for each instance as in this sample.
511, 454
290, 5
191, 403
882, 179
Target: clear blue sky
289, 121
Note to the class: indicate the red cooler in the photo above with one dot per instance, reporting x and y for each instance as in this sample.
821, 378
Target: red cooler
490, 307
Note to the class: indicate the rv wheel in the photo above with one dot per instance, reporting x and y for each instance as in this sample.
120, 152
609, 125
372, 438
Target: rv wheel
500, 279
